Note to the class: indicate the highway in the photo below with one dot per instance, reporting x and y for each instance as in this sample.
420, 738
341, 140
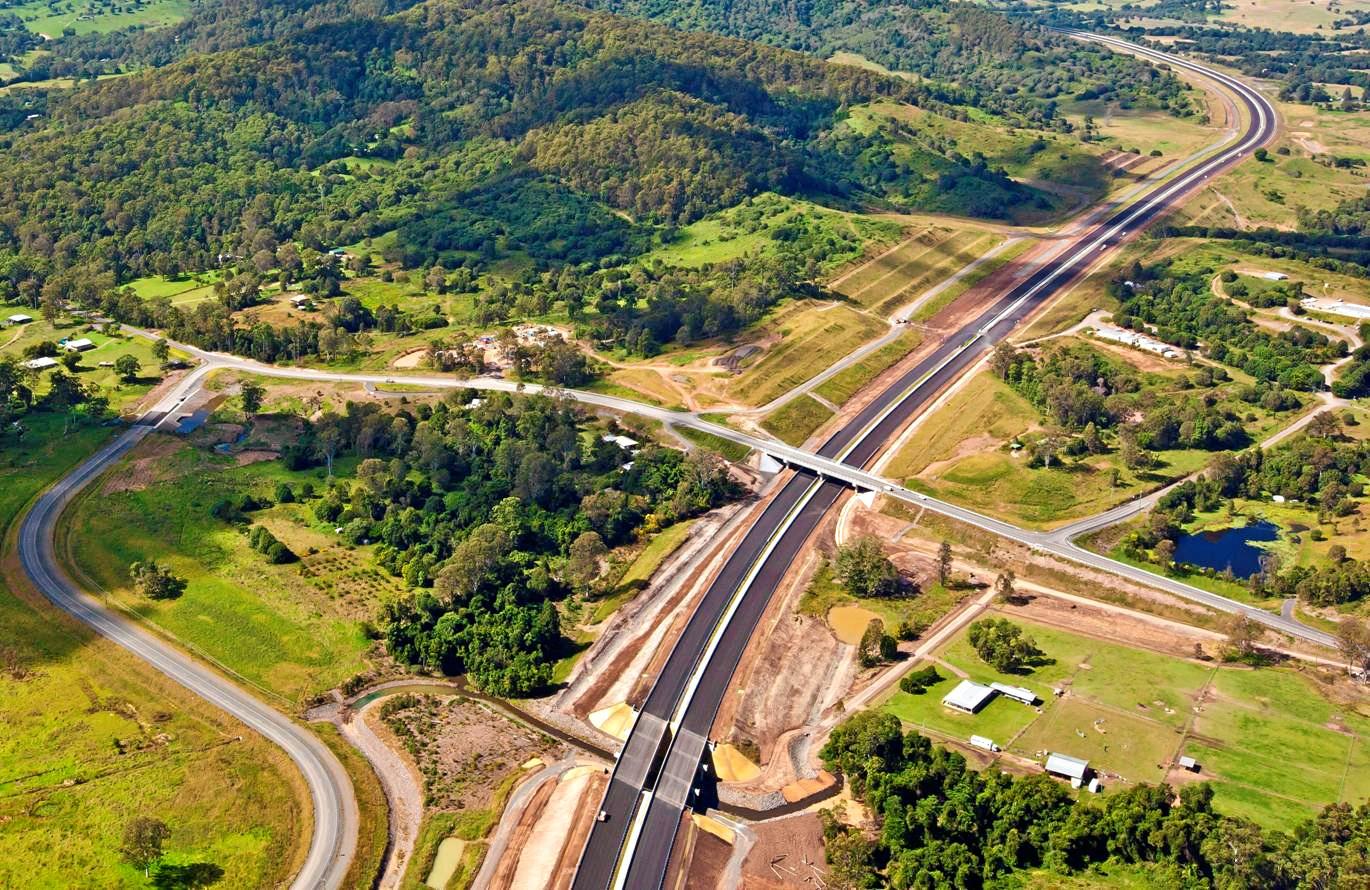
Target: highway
335, 822
630, 843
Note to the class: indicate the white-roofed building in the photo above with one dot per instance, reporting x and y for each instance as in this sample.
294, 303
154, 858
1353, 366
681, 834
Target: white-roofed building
1190, 764
968, 697
1067, 767
80, 344
38, 364
1017, 693
19, 318
621, 441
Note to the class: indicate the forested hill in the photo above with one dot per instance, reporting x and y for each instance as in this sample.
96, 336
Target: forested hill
1008, 66
470, 125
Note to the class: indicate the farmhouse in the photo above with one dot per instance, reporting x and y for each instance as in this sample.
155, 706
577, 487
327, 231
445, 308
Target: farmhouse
81, 344
38, 364
968, 697
19, 318
1067, 767
1189, 763
621, 441
1017, 693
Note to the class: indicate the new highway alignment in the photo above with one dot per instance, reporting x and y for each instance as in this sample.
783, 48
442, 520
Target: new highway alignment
333, 844
631, 841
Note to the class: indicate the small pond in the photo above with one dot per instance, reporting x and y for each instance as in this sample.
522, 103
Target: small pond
1227, 548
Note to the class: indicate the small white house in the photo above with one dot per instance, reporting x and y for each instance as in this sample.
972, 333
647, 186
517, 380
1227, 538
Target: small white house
1274, 276
1189, 763
41, 363
623, 442
80, 344
19, 318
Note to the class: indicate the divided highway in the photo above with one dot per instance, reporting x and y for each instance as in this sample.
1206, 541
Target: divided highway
335, 810
631, 841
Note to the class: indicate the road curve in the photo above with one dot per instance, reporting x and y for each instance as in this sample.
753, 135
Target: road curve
631, 843
333, 845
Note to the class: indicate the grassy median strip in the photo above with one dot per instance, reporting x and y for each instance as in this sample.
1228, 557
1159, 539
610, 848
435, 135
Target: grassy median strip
796, 420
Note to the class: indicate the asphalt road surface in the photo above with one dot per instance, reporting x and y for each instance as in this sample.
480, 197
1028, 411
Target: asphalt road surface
637, 825
335, 810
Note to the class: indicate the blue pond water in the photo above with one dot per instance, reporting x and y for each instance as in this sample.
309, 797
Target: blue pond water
1227, 548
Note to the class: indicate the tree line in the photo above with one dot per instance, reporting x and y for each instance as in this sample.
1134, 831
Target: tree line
940, 823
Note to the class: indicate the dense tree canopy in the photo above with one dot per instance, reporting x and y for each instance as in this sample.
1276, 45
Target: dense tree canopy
483, 510
942, 824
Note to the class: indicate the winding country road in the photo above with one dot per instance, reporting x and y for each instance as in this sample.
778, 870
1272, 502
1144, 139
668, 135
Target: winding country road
334, 807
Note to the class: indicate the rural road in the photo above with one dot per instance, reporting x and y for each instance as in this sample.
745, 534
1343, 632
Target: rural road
334, 808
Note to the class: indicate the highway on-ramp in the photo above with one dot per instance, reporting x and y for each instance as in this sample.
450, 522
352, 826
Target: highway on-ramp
631, 841
333, 843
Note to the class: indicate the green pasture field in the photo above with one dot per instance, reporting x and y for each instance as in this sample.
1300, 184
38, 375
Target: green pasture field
961, 454
757, 225
729, 449
1273, 745
97, 16
67, 790
796, 420
293, 630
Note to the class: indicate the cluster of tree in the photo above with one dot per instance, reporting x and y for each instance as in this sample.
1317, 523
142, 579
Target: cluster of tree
1347, 254
865, 570
1263, 294
264, 542
156, 581
1004, 646
1083, 393
917, 682
942, 824
77, 400
1183, 310
492, 513
1014, 68
875, 646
